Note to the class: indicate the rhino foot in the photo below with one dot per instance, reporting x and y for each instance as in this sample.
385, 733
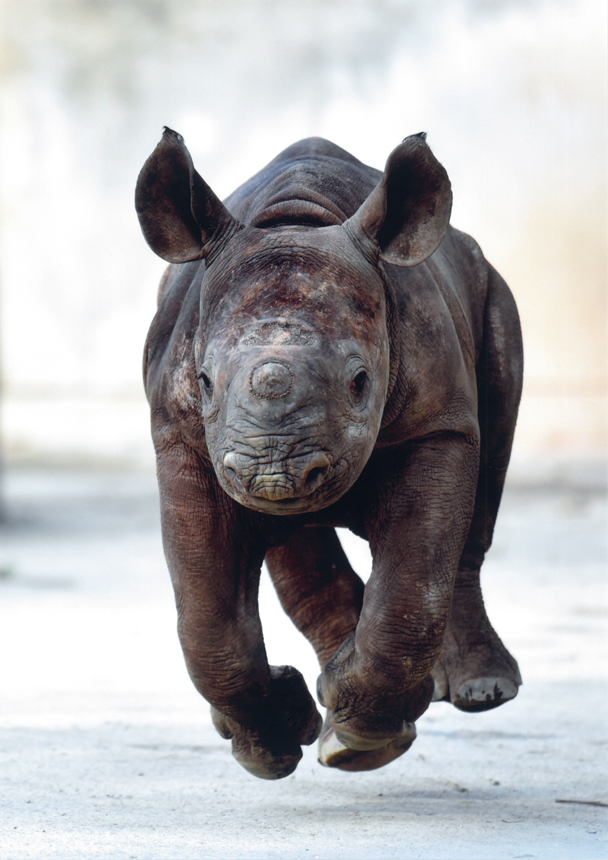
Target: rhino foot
475, 675
269, 746
483, 694
333, 751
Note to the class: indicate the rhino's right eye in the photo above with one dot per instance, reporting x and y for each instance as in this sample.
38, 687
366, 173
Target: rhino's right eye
206, 381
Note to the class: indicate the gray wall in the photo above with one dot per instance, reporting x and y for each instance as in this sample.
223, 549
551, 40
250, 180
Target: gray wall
511, 93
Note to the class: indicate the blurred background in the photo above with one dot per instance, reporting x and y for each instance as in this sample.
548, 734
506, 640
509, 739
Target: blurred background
511, 93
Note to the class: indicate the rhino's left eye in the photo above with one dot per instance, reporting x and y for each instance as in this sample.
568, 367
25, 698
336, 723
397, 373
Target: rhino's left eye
358, 384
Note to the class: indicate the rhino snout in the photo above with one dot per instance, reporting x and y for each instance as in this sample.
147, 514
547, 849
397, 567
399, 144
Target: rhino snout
277, 481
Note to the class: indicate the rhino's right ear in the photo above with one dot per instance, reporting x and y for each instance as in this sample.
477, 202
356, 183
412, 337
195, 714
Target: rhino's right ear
180, 216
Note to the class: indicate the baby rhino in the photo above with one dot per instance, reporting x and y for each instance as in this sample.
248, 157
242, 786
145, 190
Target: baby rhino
329, 352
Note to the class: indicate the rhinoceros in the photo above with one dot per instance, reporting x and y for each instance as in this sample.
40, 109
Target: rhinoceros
329, 352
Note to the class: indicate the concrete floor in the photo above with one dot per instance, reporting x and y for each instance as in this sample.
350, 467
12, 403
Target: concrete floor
108, 752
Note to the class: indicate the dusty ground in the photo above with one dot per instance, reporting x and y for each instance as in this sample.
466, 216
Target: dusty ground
107, 751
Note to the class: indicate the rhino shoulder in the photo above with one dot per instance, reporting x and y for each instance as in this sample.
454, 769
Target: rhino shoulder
169, 370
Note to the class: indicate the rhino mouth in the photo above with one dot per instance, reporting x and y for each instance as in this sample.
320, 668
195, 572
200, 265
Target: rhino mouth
277, 486
281, 488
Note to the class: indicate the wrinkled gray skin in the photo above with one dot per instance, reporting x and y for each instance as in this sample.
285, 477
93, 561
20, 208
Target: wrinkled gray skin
327, 352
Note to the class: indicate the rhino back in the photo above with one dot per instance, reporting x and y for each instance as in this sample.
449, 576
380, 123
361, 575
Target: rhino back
313, 183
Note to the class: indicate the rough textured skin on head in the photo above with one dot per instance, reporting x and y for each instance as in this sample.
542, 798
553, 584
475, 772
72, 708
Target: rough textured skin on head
327, 352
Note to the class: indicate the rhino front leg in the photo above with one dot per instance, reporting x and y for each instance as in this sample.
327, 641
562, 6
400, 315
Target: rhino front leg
417, 524
323, 595
215, 562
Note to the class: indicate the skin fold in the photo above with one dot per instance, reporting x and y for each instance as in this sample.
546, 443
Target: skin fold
329, 352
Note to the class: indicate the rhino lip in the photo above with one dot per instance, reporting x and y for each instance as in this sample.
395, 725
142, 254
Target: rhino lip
278, 498
291, 480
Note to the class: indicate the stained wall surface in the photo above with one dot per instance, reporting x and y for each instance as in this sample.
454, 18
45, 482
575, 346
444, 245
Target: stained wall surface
511, 93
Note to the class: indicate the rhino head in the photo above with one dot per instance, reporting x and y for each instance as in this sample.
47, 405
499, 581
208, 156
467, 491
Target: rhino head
292, 350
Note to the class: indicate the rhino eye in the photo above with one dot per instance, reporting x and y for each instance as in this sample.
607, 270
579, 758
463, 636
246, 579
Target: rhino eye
358, 384
205, 380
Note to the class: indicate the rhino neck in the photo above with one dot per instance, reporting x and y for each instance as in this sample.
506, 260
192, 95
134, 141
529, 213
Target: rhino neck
299, 195
304, 187
308, 210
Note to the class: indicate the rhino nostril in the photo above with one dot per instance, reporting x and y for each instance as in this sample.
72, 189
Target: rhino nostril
315, 473
230, 467
230, 461
317, 469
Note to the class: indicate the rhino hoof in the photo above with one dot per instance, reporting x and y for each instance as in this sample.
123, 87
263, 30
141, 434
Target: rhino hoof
266, 766
483, 694
334, 753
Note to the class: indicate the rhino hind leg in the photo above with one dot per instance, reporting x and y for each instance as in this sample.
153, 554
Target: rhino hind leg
475, 672
317, 587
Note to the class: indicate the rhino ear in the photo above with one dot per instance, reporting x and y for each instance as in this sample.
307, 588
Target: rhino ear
408, 213
180, 216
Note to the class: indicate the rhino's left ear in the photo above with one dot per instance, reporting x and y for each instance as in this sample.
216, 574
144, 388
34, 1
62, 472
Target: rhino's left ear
180, 216
408, 213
